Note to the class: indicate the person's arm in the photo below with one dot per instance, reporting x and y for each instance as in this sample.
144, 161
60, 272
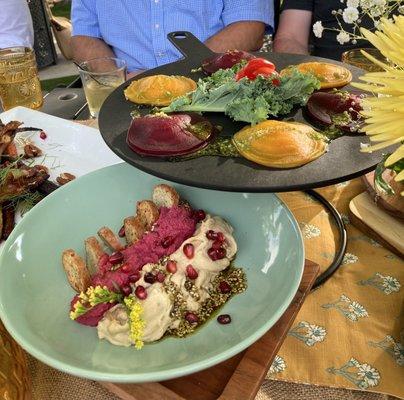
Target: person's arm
245, 35
245, 24
86, 48
293, 32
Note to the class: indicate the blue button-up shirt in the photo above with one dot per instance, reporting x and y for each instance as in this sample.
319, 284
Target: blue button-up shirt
137, 30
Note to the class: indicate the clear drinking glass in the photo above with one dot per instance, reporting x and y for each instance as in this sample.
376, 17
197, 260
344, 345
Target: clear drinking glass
100, 76
19, 81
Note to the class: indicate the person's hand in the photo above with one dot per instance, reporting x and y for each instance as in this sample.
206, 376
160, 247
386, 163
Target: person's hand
132, 74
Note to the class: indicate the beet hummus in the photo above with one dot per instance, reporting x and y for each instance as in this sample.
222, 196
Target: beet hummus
174, 226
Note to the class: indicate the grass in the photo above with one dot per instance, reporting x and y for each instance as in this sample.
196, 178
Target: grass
50, 84
62, 9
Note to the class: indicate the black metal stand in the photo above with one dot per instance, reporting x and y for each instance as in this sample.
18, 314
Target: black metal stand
339, 254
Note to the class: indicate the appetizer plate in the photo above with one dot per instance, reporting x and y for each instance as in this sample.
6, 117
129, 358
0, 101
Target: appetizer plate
35, 294
69, 146
343, 161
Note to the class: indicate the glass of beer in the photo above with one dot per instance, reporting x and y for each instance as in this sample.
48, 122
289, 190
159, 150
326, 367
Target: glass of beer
19, 81
100, 76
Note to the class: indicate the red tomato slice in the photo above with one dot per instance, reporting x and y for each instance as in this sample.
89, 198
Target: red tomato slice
240, 74
264, 71
256, 63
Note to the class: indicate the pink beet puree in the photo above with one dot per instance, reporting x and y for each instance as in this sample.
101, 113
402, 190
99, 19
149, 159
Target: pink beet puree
93, 316
174, 226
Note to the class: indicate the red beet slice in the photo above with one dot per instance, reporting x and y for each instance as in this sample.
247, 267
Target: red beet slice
323, 106
224, 61
169, 135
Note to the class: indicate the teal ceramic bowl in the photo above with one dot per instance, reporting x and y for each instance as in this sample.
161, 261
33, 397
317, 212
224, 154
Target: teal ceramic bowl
35, 294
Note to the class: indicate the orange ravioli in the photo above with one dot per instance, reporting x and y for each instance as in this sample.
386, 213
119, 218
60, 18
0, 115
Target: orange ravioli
329, 75
158, 90
279, 144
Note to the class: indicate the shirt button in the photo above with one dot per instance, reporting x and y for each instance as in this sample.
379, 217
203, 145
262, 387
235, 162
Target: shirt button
157, 26
160, 54
156, 1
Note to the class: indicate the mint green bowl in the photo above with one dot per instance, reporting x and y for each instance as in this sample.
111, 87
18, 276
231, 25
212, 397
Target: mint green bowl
35, 295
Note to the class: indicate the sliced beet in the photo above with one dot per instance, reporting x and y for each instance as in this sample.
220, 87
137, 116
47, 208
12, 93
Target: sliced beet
324, 107
169, 135
225, 60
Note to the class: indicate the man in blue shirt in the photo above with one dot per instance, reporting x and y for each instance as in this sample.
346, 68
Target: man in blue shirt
136, 30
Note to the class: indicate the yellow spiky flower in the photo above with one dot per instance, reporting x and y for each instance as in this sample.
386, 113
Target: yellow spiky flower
384, 114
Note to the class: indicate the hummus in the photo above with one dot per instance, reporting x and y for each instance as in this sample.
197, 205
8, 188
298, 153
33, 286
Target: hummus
158, 305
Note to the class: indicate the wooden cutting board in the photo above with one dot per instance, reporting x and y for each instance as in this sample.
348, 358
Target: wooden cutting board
376, 223
238, 378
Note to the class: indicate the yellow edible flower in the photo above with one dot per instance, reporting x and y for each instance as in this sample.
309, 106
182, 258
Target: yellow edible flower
92, 297
135, 311
384, 115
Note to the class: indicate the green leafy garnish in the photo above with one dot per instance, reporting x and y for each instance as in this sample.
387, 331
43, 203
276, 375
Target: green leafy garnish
92, 297
246, 100
379, 181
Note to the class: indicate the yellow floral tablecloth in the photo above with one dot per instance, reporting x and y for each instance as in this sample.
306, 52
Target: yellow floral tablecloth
349, 332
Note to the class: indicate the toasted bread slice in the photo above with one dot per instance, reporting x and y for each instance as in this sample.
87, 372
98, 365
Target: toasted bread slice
76, 270
110, 239
165, 196
134, 229
148, 213
94, 252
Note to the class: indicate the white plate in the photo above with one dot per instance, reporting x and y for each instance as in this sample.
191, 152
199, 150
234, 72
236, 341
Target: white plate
69, 146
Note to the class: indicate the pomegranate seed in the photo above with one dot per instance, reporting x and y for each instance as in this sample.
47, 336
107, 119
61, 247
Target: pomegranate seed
171, 267
211, 235
216, 254
135, 277
140, 293
43, 135
220, 237
224, 319
116, 258
121, 232
160, 277
216, 245
224, 287
149, 278
191, 272
200, 215
125, 268
212, 254
276, 82
191, 318
126, 290
220, 253
188, 250
167, 242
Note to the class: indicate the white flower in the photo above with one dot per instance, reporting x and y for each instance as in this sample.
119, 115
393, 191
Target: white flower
311, 231
278, 365
350, 15
390, 284
352, 3
349, 258
316, 333
358, 309
343, 37
401, 9
318, 29
376, 12
366, 4
369, 374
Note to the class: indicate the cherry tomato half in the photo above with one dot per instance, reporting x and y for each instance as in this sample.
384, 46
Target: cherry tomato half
264, 71
256, 63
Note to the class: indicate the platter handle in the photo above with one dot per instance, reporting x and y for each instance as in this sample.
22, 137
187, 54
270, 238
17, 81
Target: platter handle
189, 45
